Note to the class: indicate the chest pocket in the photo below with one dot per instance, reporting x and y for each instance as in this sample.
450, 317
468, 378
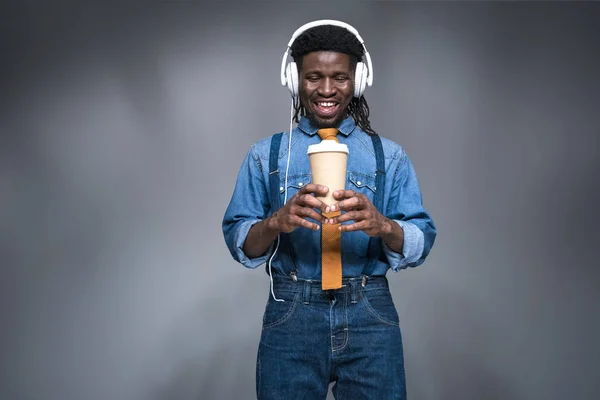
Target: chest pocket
362, 183
294, 184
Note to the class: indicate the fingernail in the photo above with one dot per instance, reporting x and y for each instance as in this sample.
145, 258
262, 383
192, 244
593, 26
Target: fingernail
327, 209
332, 208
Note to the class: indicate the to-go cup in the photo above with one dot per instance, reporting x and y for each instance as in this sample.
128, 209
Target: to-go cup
328, 166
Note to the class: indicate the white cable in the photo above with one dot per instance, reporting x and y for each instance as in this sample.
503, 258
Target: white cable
271, 273
287, 167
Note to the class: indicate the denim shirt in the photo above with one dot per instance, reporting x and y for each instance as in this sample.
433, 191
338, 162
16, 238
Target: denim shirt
299, 250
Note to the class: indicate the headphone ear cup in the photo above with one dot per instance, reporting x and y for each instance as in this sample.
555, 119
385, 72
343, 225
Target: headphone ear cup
291, 77
360, 79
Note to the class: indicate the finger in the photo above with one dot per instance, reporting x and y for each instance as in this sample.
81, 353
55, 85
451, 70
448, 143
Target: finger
349, 204
319, 190
298, 221
349, 216
357, 226
344, 194
308, 200
307, 212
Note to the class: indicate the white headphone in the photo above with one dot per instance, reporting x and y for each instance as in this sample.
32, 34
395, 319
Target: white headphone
363, 75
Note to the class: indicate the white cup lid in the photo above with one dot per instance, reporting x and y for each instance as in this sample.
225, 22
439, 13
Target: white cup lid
327, 146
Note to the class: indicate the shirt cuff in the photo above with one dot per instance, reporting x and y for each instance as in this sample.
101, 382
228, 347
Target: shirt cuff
412, 248
240, 239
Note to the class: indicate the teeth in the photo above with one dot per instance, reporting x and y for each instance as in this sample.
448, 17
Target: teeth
326, 104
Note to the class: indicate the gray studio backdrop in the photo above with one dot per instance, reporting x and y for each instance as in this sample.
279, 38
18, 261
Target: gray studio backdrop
122, 131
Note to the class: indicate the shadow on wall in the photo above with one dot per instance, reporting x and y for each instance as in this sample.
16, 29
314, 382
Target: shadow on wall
222, 374
460, 364
219, 344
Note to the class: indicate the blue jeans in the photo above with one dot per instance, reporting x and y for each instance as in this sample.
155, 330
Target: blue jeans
350, 336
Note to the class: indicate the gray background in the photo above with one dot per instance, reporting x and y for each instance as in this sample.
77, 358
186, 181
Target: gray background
122, 131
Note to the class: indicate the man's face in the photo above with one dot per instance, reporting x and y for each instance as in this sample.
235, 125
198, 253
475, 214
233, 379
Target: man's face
326, 87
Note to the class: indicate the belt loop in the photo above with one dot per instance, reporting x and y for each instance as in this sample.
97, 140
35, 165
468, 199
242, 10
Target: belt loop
306, 294
353, 291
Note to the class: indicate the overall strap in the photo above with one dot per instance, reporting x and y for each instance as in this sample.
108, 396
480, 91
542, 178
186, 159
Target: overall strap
276, 204
380, 174
375, 243
274, 171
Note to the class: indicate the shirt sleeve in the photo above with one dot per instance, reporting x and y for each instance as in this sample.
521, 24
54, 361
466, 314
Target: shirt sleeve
249, 205
405, 207
412, 248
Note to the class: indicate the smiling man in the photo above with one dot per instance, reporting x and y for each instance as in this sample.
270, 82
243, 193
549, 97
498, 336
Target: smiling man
327, 87
349, 335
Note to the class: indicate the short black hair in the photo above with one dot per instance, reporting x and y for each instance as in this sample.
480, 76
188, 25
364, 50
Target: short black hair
338, 39
327, 38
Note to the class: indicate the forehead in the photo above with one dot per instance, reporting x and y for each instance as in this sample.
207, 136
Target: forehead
326, 60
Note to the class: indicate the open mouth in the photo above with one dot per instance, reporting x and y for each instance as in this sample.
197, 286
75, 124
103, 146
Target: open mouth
326, 109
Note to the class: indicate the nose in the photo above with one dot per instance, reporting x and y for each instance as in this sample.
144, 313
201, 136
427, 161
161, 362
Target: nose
326, 88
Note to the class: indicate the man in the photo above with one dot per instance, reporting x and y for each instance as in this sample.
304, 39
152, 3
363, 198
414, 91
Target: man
349, 335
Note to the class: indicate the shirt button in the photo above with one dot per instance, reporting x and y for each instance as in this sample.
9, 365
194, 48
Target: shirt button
299, 183
358, 183
281, 188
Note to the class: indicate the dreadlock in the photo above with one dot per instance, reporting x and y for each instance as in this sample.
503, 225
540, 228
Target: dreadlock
338, 39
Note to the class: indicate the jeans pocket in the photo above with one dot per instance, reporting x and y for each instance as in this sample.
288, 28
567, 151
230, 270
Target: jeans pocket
277, 312
380, 305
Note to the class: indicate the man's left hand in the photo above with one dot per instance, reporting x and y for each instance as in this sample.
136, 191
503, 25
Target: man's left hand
360, 209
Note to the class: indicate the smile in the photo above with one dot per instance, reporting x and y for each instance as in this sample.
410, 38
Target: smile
326, 108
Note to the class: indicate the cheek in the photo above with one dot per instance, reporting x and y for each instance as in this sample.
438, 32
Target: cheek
306, 90
348, 89
348, 97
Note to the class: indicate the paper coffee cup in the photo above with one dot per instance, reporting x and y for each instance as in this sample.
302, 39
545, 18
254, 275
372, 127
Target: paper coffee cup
328, 167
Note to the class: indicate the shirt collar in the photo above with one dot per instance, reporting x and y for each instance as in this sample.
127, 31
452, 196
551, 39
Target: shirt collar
345, 127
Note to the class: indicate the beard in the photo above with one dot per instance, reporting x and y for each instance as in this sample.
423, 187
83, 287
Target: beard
320, 123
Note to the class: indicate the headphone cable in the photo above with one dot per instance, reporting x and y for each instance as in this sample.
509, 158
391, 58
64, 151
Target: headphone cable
287, 167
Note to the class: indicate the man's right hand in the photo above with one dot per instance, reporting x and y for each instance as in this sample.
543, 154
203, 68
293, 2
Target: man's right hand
292, 215
301, 206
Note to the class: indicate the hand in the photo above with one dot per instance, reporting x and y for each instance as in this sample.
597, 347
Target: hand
301, 206
360, 209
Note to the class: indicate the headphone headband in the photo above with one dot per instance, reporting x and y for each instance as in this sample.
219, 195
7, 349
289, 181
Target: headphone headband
321, 22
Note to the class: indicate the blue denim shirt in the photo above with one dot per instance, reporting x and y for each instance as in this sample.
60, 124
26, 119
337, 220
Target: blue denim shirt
300, 251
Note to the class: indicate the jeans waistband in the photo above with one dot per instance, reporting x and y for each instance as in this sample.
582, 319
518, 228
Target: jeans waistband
312, 290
